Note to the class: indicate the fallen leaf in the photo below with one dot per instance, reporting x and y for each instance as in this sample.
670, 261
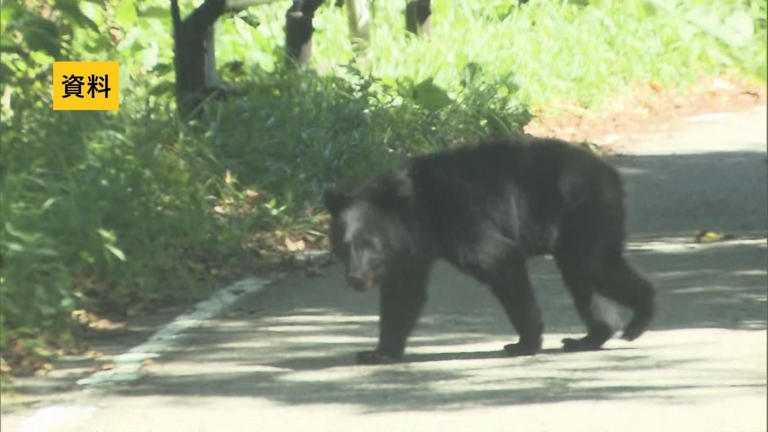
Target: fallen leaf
43, 369
294, 246
106, 366
707, 236
251, 194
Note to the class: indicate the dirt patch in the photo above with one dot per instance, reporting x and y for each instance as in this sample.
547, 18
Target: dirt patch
649, 108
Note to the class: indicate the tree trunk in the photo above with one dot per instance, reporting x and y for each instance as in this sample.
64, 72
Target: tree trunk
417, 16
195, 61
298, 31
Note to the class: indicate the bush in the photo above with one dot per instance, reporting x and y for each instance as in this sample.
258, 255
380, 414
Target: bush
116, 212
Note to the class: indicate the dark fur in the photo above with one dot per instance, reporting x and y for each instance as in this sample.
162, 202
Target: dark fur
486, 209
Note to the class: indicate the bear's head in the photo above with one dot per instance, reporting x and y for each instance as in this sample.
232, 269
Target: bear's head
369, 230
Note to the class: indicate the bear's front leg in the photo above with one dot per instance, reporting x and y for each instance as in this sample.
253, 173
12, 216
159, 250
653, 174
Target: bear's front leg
401, 299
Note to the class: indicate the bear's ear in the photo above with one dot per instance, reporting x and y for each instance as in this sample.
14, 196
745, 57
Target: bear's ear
392, 191
394, 185
335, 200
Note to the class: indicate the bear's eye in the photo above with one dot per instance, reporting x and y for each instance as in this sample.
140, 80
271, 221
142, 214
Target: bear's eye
370, 243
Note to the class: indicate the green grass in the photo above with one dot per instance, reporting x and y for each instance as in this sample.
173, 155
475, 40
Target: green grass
555, 50
120, 212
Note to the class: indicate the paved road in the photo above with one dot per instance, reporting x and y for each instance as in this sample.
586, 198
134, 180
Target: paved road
281, 359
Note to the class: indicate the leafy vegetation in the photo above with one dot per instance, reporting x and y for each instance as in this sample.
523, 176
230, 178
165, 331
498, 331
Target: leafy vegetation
116, 212
555, 50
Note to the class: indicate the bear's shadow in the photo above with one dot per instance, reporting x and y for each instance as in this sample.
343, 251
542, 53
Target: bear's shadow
485, 355
316, 363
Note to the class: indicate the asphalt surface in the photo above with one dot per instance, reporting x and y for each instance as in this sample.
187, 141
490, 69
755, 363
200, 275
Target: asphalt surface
280, 357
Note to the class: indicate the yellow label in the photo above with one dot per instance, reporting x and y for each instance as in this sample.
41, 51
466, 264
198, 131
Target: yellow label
86, 86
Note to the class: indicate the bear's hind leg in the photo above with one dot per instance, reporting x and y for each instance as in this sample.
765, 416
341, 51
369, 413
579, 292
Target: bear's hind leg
621, 283
580, 282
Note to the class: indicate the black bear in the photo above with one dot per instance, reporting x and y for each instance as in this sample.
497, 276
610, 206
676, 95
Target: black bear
486, 209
